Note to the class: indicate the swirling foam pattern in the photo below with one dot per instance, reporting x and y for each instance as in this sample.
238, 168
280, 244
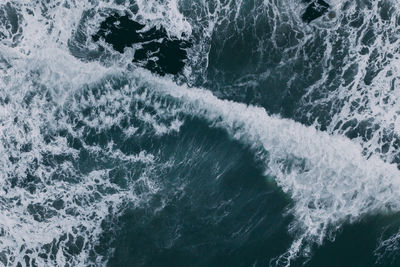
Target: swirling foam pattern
84, 131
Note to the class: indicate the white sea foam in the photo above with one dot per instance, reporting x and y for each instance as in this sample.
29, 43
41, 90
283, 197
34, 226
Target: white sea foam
47, 93
327, 176
37, 103
41, 85
164, 13
362, 99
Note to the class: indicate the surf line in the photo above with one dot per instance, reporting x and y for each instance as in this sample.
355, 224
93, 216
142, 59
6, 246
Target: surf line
327, 176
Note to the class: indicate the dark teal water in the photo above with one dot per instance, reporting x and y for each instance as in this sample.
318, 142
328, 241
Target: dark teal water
218, 208
199, 133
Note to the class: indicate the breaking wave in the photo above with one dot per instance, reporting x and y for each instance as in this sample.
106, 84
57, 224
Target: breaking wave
73, 113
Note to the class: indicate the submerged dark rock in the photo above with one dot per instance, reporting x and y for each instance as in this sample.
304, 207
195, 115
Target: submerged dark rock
314, 10
155, 50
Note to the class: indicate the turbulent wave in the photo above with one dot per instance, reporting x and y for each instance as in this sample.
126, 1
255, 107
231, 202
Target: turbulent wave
81, 124
327, 176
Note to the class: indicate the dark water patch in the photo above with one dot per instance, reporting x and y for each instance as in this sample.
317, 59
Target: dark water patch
170, 56
40, 212
10, 19
121, 31
386, 10
356, 245
155, 49
215, 207
314, 10
9, 14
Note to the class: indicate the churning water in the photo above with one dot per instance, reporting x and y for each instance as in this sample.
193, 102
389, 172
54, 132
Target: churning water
199, 133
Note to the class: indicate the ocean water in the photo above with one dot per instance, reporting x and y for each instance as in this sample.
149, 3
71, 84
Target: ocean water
200, 133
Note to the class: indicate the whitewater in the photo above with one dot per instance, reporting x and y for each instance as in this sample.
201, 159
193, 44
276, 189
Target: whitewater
62, 98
